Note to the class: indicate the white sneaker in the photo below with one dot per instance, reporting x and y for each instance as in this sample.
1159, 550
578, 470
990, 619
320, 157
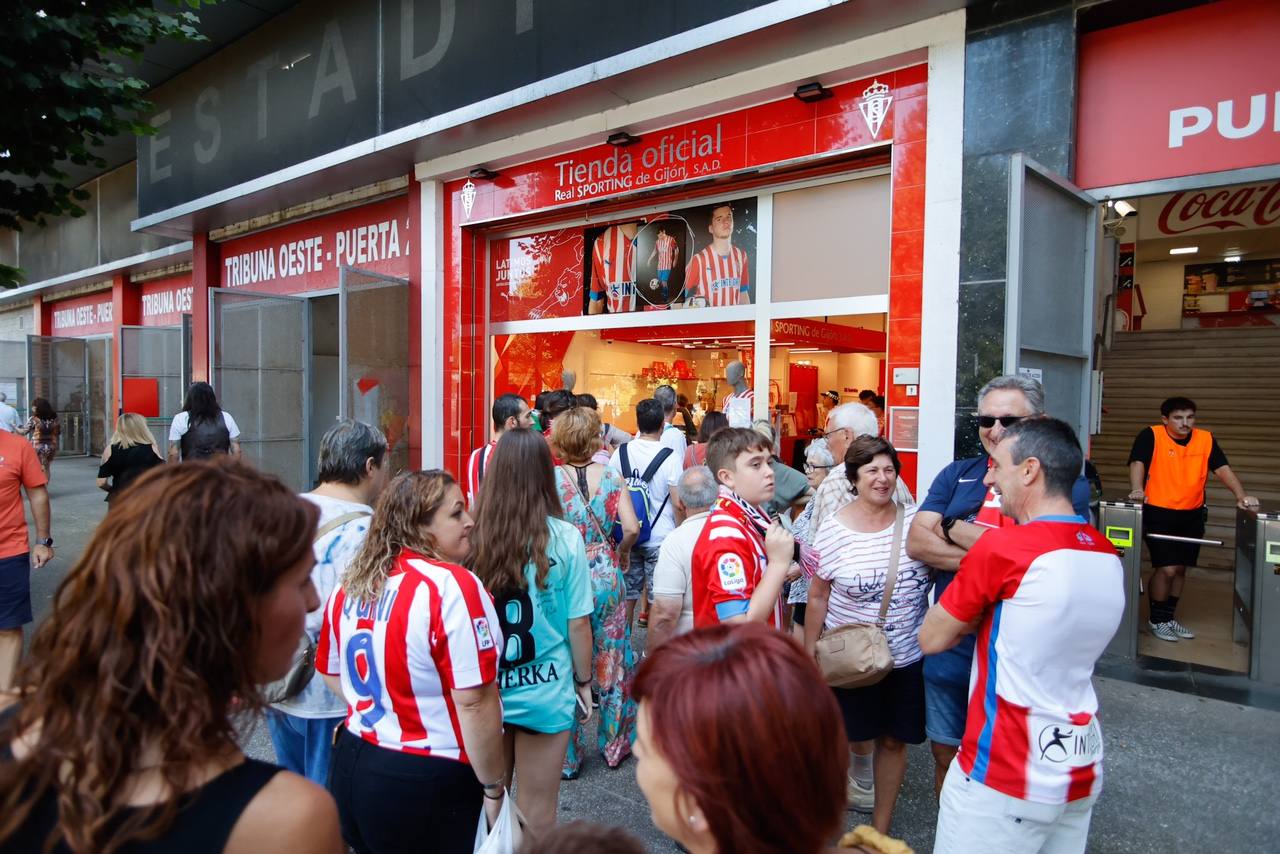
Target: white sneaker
1180, 630
860, 799
1164, 631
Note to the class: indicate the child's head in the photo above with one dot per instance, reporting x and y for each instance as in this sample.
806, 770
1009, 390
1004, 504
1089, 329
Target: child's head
740, 459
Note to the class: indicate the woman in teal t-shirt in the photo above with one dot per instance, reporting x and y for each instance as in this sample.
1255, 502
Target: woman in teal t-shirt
535, 565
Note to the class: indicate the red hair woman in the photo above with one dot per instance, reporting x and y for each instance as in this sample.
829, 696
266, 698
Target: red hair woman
721, 710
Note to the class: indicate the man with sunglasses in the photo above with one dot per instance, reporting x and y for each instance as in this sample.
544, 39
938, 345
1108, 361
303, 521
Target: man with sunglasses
959, 509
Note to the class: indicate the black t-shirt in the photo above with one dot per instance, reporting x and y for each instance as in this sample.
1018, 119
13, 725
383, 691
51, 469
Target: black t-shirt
126, 464
1144, 448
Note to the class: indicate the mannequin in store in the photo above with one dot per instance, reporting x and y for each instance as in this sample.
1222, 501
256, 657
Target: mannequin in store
568, 379
739, 402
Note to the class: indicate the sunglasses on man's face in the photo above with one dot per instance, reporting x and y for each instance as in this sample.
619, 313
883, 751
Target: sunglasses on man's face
988, 421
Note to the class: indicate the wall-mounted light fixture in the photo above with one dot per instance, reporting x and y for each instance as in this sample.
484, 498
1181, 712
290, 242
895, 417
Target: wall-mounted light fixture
622, 138
810, 92
482, 174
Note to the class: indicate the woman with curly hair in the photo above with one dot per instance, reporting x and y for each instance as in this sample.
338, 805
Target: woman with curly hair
410, 640
123, 736
44, 430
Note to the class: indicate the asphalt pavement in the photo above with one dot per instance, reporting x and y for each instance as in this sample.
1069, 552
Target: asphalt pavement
1183, 772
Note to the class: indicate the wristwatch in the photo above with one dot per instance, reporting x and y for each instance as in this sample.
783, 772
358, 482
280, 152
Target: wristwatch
46, 542
947, 524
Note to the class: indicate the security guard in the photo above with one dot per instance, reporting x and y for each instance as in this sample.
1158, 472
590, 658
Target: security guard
1168, 467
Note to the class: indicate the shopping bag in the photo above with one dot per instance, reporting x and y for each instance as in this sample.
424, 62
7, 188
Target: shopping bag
507, 832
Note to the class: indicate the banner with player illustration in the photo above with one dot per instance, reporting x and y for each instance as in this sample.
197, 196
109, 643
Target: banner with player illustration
695, 257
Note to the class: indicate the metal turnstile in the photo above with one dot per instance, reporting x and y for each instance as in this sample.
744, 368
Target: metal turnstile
1121, 523
1257, 592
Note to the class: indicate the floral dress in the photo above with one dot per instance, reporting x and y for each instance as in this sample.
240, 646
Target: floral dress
613, 661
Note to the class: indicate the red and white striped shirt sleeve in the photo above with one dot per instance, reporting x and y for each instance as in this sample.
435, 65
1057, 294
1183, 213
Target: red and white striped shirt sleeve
329, 646
469, 632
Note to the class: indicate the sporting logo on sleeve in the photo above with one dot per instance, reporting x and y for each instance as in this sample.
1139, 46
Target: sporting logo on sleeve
484, 637
733, 575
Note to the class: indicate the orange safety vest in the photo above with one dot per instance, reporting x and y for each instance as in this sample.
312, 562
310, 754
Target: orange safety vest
1177, 474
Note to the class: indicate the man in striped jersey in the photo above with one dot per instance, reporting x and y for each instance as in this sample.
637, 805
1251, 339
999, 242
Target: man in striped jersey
719, 275
613, 270
666, 250
509, 412
1046, 596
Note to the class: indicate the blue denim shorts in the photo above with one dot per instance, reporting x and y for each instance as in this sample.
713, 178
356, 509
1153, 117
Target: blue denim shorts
946, 696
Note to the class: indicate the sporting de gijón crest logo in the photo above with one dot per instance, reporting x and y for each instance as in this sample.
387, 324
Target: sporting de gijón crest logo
468, 198
874, 106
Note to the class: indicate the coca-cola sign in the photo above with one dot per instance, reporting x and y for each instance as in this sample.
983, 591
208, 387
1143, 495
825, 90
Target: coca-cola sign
1249, 206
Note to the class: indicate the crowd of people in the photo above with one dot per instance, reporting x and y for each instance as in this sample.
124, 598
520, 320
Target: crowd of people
479, 641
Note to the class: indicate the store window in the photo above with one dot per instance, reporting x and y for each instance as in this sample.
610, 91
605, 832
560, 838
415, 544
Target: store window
700, 256
831, 240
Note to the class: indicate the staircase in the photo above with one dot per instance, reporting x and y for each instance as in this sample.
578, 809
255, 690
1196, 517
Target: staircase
1233, 375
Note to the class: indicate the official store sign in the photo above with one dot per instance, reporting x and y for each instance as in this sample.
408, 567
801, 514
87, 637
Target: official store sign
1186, 93
308, 255
860, 114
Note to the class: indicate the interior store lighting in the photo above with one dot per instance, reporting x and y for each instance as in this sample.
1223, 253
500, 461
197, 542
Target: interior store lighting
1184, 250
1232, 259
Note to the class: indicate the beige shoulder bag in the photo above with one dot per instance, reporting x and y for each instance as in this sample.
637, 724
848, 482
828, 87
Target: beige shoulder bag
857, 654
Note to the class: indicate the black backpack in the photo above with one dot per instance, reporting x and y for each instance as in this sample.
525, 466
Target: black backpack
205, 438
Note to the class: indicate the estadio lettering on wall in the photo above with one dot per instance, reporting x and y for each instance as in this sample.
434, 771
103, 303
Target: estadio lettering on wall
307, 255
1210, 95
81, 316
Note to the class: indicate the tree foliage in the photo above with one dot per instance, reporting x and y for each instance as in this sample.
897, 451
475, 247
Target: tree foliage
64, 92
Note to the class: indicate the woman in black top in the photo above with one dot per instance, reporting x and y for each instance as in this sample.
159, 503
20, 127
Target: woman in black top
131, 452
125, 740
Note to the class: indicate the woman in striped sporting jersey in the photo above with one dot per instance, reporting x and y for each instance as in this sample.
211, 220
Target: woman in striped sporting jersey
410, 640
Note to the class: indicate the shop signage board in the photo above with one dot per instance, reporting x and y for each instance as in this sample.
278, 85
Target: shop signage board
306, 255
858, 115
164, 301
1210, 102
327, 74
1212, 211
80, 317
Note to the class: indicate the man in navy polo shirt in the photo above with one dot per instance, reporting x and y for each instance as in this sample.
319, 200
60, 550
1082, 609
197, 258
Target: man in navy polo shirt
959, 509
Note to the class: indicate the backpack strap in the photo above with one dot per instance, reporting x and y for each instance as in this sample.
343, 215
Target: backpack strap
480, 473
334, 524
626, 463
651, 471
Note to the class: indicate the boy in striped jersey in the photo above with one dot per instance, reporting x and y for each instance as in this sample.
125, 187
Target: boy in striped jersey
720, 274
741, 557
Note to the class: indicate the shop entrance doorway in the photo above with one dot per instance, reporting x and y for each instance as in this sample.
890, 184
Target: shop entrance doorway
58, 371
259, 359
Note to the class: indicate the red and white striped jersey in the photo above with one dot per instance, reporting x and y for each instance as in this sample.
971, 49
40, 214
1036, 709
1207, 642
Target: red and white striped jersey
483, 453
433, 630
1050, 594
613, 269
666, 247
728, 562
720, 279
748, 395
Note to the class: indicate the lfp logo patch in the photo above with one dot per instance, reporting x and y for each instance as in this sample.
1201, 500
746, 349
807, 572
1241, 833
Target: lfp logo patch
733, 575
484, 637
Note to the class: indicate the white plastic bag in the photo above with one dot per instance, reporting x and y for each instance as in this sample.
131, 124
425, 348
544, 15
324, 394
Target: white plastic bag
507, 832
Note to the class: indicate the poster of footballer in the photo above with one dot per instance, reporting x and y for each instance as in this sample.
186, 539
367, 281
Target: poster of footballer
695, 257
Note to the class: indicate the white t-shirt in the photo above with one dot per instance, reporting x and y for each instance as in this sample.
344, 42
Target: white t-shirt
640, 452
673, 574
856, 564
333, 552
9, 418
674, 438
180, 421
